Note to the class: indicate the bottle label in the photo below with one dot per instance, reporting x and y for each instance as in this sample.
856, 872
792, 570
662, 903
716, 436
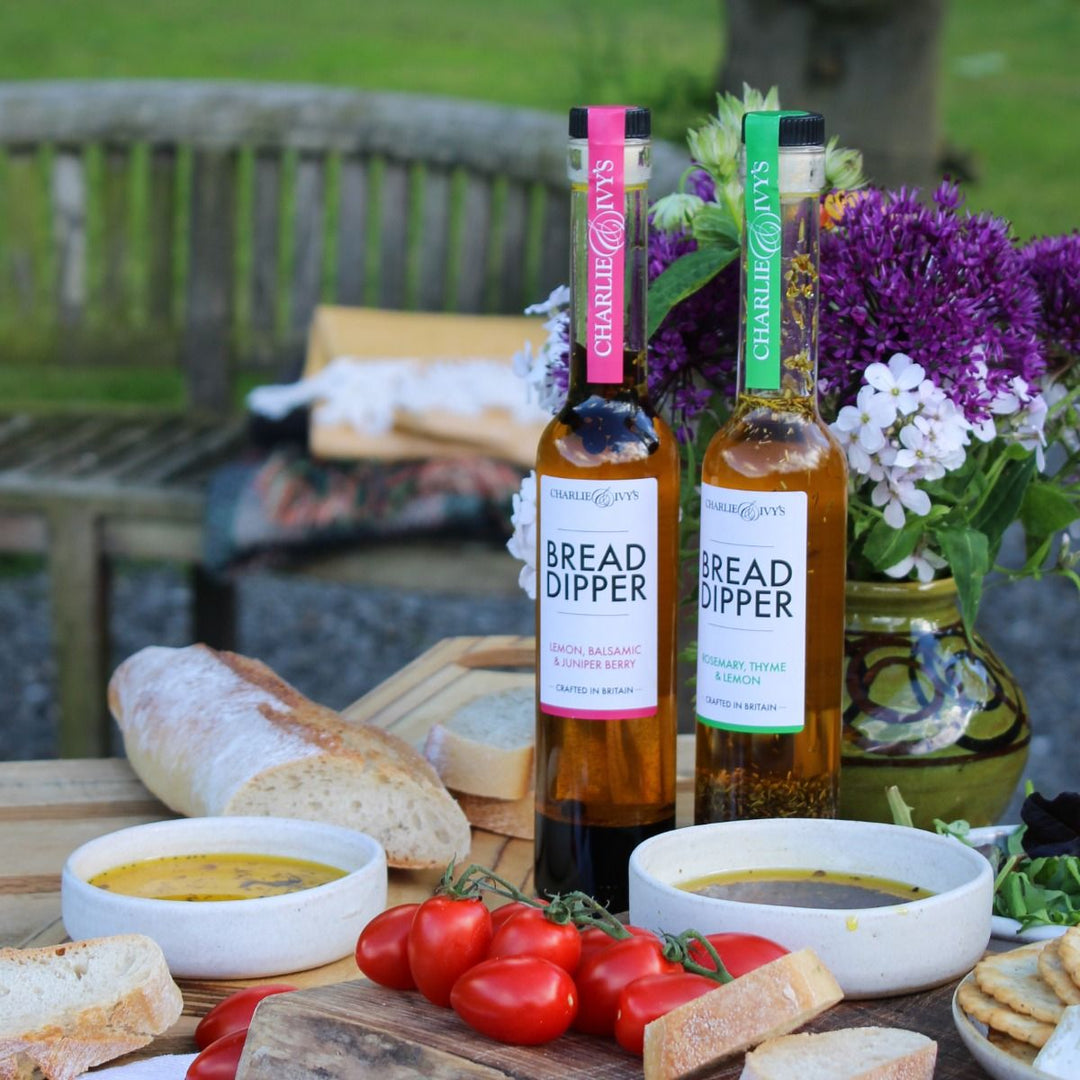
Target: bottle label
764, 236
598, 584
606, 231
751, 664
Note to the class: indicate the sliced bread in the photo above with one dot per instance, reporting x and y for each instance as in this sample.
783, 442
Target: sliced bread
507, 817
771, 1000
862, 1053
69, 1007
486, 747
214, 733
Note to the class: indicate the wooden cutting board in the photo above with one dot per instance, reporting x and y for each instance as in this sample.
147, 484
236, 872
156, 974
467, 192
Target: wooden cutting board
355, 1030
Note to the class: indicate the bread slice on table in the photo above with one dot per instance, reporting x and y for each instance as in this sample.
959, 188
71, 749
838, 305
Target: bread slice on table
771, 1000
66, 1008
507, 817
213, 733
862, 1053
486, 747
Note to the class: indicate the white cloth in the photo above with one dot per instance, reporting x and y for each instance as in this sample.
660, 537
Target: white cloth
165, 1067
367, 393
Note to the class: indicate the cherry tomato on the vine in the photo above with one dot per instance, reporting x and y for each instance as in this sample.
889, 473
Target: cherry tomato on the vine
219, 1060
508, 910
234, 1012
523, 1000
740, 953
643, 1000
448, 936
593, 939
382, 948
532, 933
602, 977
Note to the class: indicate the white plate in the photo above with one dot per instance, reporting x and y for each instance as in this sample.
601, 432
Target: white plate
1001, 927
997, 1063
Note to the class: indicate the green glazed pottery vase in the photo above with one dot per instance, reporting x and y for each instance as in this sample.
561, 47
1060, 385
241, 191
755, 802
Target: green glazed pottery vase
925, 708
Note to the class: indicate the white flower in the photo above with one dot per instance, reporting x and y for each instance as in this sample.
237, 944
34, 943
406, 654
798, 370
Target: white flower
922, 560
894, 494
556, 301
676, 211
1030, 424
898, 379
859, 461
867, 419
522, 543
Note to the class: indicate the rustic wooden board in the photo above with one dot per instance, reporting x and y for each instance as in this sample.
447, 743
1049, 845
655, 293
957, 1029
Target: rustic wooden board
356, 1029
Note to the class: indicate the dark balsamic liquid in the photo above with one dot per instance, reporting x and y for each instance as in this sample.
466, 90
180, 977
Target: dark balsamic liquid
591, 858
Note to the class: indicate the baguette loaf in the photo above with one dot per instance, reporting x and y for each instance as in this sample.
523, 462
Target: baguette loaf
213, 733
863, 1053
486, 747
770, 1000
69, 1007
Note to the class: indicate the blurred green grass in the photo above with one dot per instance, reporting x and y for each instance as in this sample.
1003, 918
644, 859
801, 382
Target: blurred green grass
1010, 86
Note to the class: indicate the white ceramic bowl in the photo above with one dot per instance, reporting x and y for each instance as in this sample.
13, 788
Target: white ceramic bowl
872, 952
232, 939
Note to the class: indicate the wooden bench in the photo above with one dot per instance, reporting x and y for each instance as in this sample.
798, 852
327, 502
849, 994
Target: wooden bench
168, 241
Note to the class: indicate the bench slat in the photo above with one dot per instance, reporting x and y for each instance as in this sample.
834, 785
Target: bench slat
393, 258
555, 240
265, 240
434, 248
308, 241
117, 202
210, 283
20, 233
476, 230
511, 277
161, 235
68, 191
352, 230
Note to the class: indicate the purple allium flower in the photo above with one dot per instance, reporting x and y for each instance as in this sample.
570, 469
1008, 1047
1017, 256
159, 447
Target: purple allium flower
944, 286
693, 352
1054, 265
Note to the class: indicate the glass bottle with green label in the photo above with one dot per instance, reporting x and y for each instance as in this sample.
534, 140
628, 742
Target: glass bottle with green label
607, 499
773, 516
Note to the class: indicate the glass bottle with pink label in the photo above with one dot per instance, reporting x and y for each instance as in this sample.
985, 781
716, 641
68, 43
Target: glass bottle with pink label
773, 516
607, 495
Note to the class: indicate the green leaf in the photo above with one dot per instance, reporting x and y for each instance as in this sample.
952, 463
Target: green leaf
1001, 504
713, 224
1047, 509
967, 552
685, 276
886, 546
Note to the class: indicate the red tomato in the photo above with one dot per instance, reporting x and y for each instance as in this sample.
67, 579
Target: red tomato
234, 1013
739, 952
602, 977
219, 1060
593, 939
523, 1000
643, 1000
447, 937
531, 933
508, 911
382, 952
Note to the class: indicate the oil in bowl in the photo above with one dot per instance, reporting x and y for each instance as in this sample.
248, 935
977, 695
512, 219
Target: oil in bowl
805, 888
224, 876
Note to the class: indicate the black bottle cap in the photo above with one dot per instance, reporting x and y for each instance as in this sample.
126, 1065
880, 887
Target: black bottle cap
638, 122
799, 129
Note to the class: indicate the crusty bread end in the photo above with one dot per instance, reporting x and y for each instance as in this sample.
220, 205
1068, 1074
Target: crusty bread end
70, 1007
860, 1053
507, 817
769, 1001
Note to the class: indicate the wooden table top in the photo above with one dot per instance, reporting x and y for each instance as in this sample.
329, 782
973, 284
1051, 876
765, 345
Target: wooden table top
48, 808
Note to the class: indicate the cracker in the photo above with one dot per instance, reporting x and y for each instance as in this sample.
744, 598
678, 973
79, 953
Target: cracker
1022, 1051
992, 1013
1012, 978
1069, 951
1055, 976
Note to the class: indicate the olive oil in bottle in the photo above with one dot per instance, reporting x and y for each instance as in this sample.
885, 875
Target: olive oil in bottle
607, 501
773, 516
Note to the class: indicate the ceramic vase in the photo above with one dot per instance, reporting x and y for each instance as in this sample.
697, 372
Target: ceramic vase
926, 708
